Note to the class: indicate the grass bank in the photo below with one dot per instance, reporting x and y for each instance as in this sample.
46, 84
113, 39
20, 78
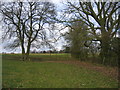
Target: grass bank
28, 74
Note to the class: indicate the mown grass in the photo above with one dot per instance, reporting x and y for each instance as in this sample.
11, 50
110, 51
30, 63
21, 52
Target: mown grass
27, 74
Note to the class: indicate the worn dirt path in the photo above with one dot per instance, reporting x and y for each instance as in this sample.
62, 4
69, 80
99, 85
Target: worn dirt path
106, 70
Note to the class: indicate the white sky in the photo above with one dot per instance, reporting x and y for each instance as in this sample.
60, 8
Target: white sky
59, 5
56, 1
0, 40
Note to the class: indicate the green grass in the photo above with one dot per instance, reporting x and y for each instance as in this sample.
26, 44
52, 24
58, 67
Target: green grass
27, 74
40, 57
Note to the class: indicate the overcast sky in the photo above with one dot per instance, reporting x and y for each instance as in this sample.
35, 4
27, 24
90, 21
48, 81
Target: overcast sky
59, 6
18, 50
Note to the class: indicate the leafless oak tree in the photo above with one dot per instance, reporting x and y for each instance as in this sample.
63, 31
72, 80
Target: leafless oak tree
103, 19
25, 22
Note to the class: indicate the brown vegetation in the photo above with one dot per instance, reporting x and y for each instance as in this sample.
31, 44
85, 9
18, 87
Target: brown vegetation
109, 71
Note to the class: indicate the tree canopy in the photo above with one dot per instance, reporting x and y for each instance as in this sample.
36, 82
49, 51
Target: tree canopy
25, 23
102, 19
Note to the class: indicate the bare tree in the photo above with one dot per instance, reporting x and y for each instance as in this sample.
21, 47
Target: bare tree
25, 22
102, 18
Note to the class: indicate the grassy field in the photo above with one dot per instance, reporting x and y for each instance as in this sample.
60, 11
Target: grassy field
43, 74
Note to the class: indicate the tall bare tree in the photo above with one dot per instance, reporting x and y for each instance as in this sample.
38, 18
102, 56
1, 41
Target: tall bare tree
102, 18
25, 22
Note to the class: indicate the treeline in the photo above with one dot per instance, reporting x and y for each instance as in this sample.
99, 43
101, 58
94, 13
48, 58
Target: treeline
92, 53
51, 51
85, 47
93, 28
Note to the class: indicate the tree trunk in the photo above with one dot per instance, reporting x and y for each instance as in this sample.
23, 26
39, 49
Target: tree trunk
28, 51
23, 55
105, 47
23, 52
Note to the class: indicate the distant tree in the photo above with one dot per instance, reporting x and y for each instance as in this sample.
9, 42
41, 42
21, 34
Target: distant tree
44, 51
67, 49
34, 51
24, 23
61, 51
102, 17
